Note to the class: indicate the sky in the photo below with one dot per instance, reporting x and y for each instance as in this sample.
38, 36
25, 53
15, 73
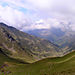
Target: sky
38, 14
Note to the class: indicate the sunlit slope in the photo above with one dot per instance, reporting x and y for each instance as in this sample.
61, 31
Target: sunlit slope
20, 45
50, 66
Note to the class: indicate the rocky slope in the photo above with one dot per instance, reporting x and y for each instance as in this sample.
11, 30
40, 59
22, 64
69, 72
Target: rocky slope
64, 38
23, 46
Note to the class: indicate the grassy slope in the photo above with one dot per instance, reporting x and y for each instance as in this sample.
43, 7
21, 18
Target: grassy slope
51, 66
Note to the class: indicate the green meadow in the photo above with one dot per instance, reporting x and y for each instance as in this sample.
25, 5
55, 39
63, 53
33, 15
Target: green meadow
50, 66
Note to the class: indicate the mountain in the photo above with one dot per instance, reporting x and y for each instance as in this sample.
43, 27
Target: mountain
49, 34
65, 38
19, 45
50, 66
22, 54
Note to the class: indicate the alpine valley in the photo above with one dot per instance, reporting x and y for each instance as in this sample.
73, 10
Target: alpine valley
26, 54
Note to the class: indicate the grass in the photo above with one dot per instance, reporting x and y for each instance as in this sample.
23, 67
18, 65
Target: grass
50, 66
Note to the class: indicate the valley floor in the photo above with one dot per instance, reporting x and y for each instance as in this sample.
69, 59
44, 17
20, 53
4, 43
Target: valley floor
50, 66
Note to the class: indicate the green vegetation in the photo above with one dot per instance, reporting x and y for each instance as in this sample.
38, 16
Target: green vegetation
20, 45
50, 66
20, 51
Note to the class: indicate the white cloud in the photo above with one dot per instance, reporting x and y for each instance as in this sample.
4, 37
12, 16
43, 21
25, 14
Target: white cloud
13, 17
41, 14
40, 24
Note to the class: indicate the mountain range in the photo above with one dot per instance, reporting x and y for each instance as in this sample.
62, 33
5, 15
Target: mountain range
24, 54
19, 45
64, 38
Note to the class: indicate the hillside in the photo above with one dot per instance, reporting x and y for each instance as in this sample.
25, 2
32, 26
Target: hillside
24, 54
50, 34
65, 38
50, 66
20, 45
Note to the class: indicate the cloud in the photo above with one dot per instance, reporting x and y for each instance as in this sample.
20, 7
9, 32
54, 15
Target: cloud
44, 24
13, 17
40, 24
38, 14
